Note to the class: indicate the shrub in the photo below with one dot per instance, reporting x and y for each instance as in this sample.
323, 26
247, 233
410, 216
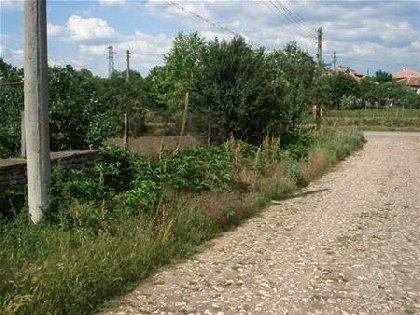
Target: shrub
94, 250
293, 170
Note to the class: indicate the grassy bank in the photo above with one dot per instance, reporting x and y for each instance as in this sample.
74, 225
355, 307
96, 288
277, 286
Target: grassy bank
113, 224
395, 119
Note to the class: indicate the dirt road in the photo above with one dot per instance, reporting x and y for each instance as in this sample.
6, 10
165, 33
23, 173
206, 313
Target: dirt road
348, 244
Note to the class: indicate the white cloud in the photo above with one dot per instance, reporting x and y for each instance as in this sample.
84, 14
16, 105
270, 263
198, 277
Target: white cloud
387, 33
15, 5
112, 2
14, 56
146, 51
79, 29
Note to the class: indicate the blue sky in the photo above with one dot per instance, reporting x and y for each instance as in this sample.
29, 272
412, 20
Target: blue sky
365, 34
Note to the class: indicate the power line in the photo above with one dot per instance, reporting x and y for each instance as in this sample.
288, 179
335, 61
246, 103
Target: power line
282, 13
212, 23
297, 19
221, 27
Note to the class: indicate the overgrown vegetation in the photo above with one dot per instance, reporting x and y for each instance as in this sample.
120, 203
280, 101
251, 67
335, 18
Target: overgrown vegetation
112, 223
341, 92
234, 90
115, 222
84, 109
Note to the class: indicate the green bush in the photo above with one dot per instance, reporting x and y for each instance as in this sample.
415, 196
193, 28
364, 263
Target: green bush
293, 170
144, 199
93, 250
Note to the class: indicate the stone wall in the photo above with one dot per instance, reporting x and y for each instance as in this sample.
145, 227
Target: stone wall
13, 171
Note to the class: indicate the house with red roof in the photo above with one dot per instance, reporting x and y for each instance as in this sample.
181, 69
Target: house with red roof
346, 70
405, 73
413, 82
409, 77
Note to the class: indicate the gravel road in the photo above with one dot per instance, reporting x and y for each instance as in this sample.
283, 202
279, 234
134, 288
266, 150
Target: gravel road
347, 244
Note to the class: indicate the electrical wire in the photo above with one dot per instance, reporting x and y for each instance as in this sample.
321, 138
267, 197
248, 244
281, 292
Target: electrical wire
214, 24
298, 20
283, 14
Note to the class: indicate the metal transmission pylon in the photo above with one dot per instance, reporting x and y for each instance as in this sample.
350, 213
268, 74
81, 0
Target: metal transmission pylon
110, 61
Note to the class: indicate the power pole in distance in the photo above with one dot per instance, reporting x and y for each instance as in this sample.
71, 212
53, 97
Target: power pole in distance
184, 117
334, 59
110, 61
126, 106
128, 65
319, 57
36, 107
319, 51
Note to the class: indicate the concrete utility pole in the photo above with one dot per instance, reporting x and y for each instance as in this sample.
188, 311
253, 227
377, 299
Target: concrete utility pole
36, 107
319, 51
319, 57
128, 65
127, 76
110, 61
334, 58
184, 117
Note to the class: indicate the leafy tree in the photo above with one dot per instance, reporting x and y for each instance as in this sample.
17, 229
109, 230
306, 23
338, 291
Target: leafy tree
298, 69
335, 86
84, 109
115, 97
72, 103
370, 92
383, 76
168, 85
11, 104
238, 91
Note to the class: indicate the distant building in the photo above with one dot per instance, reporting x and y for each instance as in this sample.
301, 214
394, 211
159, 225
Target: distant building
405, 73
345, 70
413, 82
409, 77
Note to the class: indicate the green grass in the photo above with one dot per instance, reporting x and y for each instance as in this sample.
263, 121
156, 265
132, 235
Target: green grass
376, 113
395, 119
96, 251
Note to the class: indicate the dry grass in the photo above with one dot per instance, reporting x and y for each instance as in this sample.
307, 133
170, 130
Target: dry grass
154, 144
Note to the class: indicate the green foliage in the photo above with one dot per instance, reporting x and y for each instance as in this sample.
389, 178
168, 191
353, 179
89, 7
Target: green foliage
300, 144
388, 93
95, 249
114, 222
115, 97
293, 170
167, 85
11, 104
84, 109
199, 169
242, 92
72, 103
234, 89
383, 76
348, 102
334, 86
11, 202
143, 199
